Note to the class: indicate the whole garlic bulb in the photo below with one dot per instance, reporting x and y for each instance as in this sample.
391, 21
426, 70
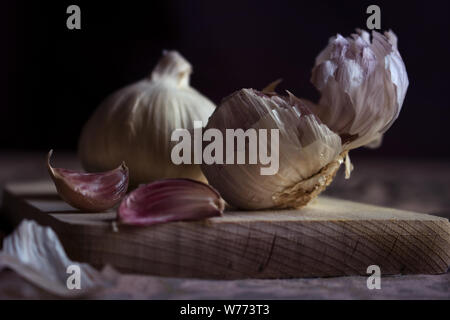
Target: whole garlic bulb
309, 152
363, 83
135, 124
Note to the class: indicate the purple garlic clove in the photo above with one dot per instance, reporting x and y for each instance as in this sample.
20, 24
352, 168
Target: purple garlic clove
170, 200
90, 192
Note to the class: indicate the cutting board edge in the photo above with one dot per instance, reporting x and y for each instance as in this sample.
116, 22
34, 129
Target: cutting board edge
65, 230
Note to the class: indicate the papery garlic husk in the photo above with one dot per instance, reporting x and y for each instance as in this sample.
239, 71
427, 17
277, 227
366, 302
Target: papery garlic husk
309, 152
170, 200
90, 192
37, 255
135, 124
363, 84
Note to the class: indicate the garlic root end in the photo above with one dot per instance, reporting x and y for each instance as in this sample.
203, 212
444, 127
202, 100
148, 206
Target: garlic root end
300, 194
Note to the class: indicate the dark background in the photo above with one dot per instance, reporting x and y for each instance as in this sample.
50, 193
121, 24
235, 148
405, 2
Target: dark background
53, 78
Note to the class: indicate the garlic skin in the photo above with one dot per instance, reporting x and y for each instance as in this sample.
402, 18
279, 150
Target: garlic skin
37, 255
309, 152
90, 192
363, 83
170, 200
135, 124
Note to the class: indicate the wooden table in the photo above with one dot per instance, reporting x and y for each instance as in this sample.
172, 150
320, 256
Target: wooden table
419, 185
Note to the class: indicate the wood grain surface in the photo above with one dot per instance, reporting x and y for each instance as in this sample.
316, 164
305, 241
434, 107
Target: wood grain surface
329, 237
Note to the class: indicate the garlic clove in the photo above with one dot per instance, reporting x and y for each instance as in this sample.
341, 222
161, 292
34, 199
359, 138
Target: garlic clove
170, 200
91, 192
363, 84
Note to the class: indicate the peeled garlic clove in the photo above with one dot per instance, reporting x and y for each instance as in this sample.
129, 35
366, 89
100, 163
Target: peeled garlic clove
135, 124
363, 84
308, 152
91, 192
170, 200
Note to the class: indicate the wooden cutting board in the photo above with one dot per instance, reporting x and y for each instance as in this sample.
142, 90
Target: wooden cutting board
329, 237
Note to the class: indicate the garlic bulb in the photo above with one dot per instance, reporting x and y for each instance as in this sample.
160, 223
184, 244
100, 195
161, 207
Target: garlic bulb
135, 124
363, 83
308, 152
